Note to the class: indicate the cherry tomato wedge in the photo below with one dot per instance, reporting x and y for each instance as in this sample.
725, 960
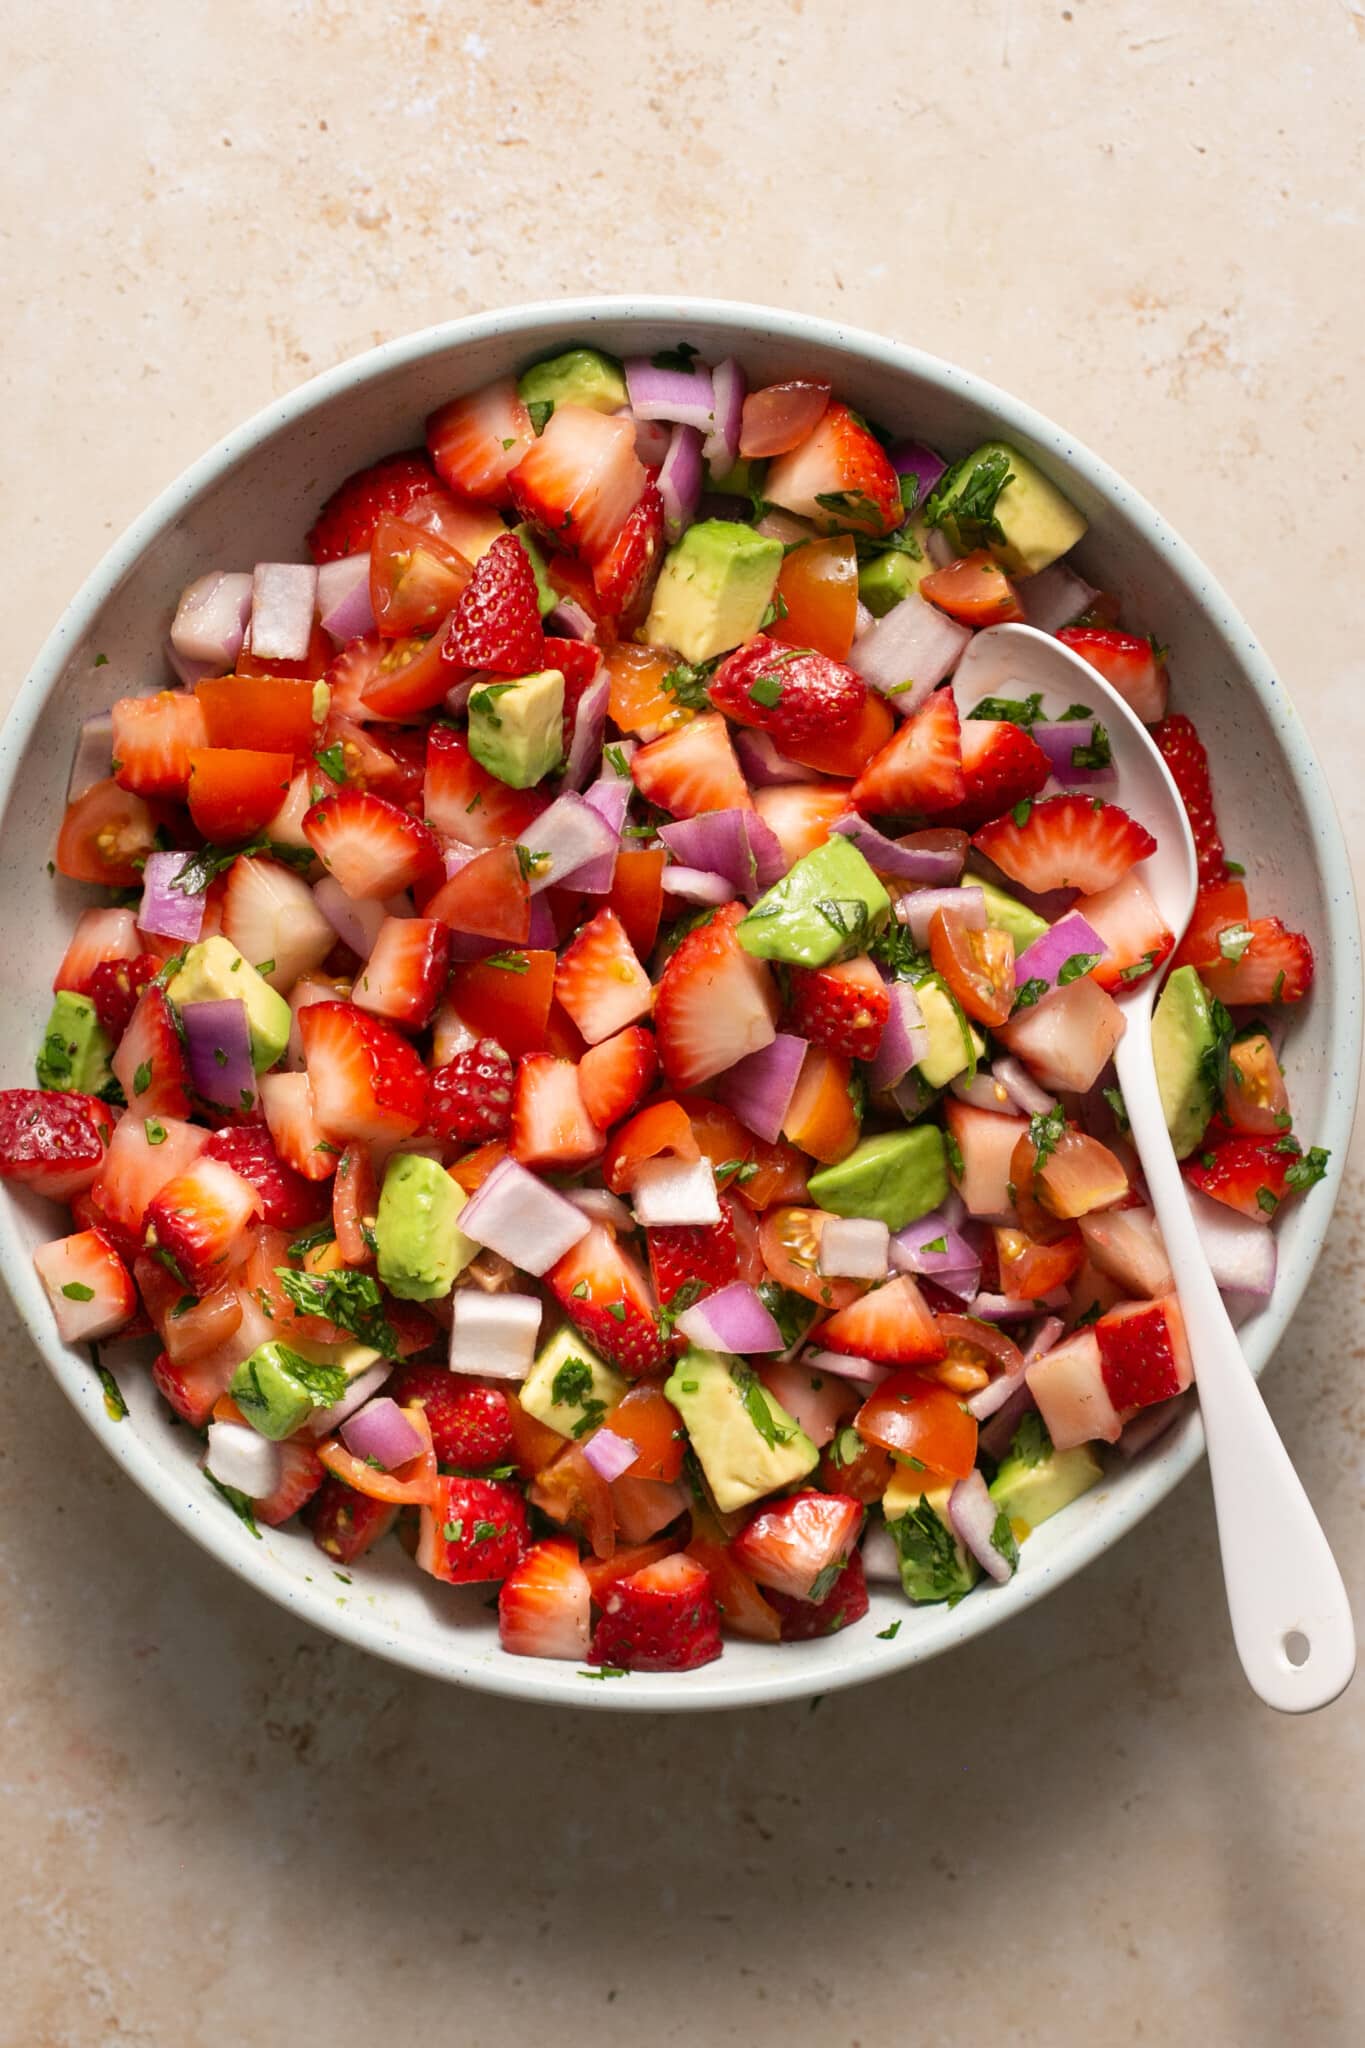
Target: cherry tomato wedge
415, 578
570, 1492
106, 835
780, 416
410, 1485
1255, 1098
975, 590
818, 584
977, 1354
789, 1240
915, 1417
978, 967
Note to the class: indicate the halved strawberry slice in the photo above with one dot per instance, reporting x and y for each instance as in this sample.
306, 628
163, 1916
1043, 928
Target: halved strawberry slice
1066, 842
100, 937
801, 814
386, 489
291, 1118
1184, 753
495, 626
474, 1532
794, 693
462, 801
144, 1153
614, 1075
1251, 1175
88, 1285
599, 980
891, 1326
663, 1618
1144, 1357
345, 1524
1001, 767
1135, 934
288, 1200
403, 979
477, 441
846, 1602
604, 1294
714, 1003
844, 1007
625, 576
550, 1125
1128, 662
1276, 965
799, 1546
840, 478
152, 741
273, 920
920, 767
301, 1472
581, 480
544, 1607
692, 769
53, 1142
371, 847
150, 1064
367, 1081
197, 1223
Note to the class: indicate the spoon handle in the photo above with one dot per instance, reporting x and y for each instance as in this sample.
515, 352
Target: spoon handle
1291, 1619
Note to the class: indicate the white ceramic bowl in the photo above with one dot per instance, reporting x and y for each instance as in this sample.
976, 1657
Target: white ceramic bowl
252, 498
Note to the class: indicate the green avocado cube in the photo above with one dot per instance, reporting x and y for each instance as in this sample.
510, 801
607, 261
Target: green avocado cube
996, 498
1036, 1481
75, 1050
714, 589
214, 971
745, 1441
569, 1388
280, 1385
893, 1178
420, 1247
578, 376
547, 597
1187, 1028
934, 1564
887, 578
1007, 914
828, 906
954, 1042
516, 730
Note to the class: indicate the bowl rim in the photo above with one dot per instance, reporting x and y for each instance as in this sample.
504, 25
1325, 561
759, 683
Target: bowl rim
1167, 1465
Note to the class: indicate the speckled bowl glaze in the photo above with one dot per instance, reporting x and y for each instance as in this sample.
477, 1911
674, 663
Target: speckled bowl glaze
252, 498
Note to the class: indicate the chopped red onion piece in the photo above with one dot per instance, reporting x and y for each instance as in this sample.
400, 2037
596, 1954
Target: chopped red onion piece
916, 1250
917, 907
1151, 1423
696, 885
610, 798
572, 832
380, 1434
543, 934
984, 1091
493, 1335
190, 672
939, 548
516, 1214
240, 1457
93, 760
590, 723
169, 912
685, 396
1070, 938
733, 843
325, 1421
1059, 742
881, 1559
210, 619
862, 1371
907, 654
904, 1041
602, 1206
912, 458
926, 865
680, 480
651, 440
355, 923
973, 1515
728, 388
988, 1400
1240, 1250
569, 621
671, 1191
1019, 1084
764, 767
995, 1438
218, 1047
854, 1248
344, 608
284, 597
1055, 597
732, 1319
1046, 1332
913, 1095
1013, 1308
759, 1088
609, 1454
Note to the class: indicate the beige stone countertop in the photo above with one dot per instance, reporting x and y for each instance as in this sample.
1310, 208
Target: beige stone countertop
219, 1828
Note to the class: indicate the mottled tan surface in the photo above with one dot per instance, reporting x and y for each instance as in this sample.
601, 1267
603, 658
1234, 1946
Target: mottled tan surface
219, 1829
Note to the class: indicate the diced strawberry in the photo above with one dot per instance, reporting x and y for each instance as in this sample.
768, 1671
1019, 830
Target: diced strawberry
1128, 662
470, 1424
190, 1329
1068, 1038
604, 1294
199, 1221
88, 1285
1184, 753
550, 1126
345, 1524
152, 741
462, 801
367, 1082
581, 480
613, 1076
1136, 937
663, 1618
144, 1153
844, 1007
599, 980
544, 1608
801, 814
100, 936
475, 1531
288, 1200
793, 693
495, 626
840, 477
798, 1546
1001, 767
890, 1326
477, 441
712, 1253
1250, 1175
1275, 967
287, 1104
470, 1098
692, 769
920, 767
301, 1473
114, 988
52, 1141
845, 1603
406, 972
271, 917
191, 1386
1143, 1353
387, 489
150, 1064
372, 848
1066, 842
714, 1003
625, 576
1069, 1387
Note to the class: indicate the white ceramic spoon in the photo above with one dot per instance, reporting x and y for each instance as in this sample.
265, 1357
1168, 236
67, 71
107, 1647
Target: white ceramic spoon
1290, 1616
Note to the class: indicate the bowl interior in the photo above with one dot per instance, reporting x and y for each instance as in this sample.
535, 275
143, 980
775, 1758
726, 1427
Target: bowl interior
252, 499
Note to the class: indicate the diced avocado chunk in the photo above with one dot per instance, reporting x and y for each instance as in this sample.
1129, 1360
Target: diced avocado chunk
214, 971
1008, 914
894, 1177
1187, 1031
569, 1388
714, 588
547, 597
951, 1034
828, 906
516, 730
934, 1564
887, 578
75, 1050
746, 1444
580, 376
1036, 1481
280, 1385
996, 498
419, 1245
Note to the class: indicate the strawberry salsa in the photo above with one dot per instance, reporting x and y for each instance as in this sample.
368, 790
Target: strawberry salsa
587, 1066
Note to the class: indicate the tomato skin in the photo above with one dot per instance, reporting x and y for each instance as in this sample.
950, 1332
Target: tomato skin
779, 417
821, 1117
498, 1002
654, 1426
605, 1572
235, 791
568, 1490
818, 583
415, 578
975, 590
780, 1170
489, 896
915, 1417
865, 1477
659, 1128
789, 1239
1217, 905
413, 676
637, 894
743, 1609
412, 1485
534, 1444
355, 1202
1255, 1098
977, 1354
977, 966
271, 713
1029, 1268
106, 835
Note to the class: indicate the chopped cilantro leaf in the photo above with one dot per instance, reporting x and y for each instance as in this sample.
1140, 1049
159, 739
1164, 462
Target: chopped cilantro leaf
510, 963
540, 410
1308, 1171
349, 1299
1079, 964
238, 1502
332, 761
1024, 711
